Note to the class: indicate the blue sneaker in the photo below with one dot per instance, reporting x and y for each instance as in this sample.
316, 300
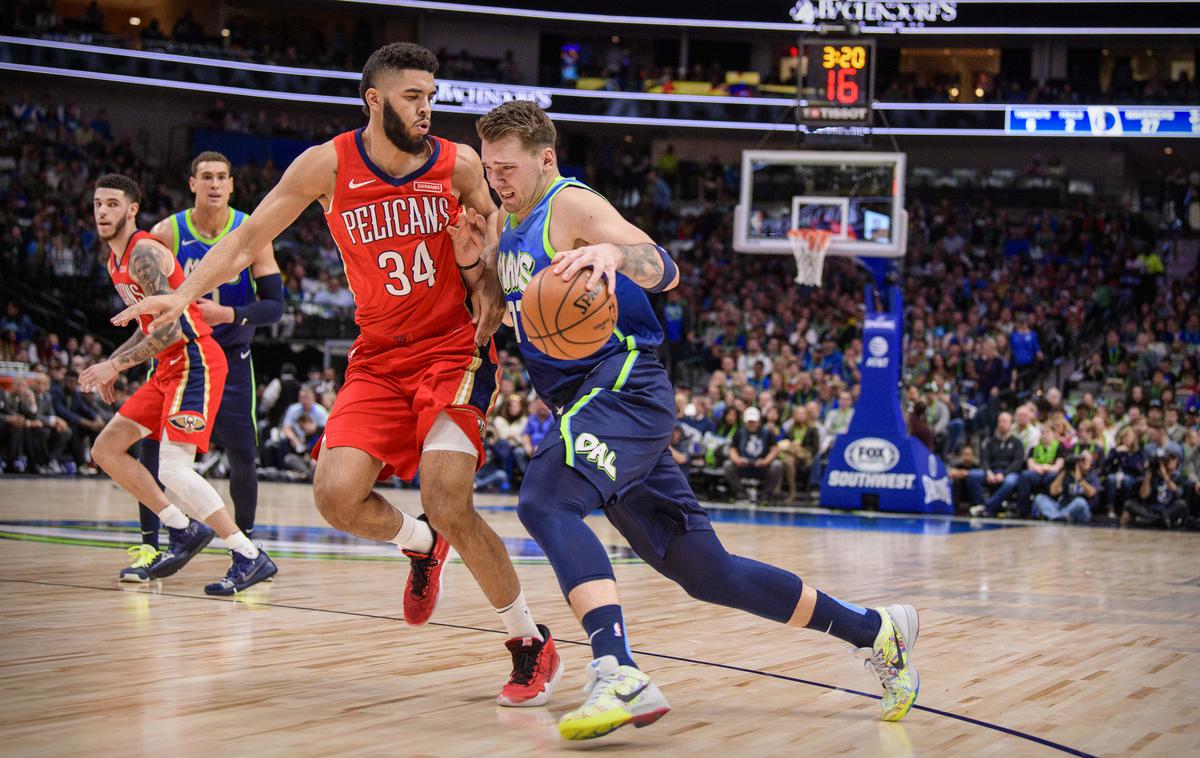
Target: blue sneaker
185, 544
245, 572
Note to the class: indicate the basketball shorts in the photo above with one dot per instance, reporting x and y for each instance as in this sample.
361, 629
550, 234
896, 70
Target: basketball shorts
236, 426
181, 397
616, 435
394, 392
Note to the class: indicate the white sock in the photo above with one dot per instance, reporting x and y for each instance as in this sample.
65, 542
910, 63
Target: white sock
242, 544
518, 621
172, 517
414, 535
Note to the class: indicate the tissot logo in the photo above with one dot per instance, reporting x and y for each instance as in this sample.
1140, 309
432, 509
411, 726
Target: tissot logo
882, 12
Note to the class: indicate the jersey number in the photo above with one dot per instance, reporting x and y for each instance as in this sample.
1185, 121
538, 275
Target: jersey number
422, 271
514, 313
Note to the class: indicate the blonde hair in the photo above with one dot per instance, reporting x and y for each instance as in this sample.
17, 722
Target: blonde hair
522, 118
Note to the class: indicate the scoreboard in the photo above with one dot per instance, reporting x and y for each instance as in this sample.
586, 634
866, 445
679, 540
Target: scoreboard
837, 83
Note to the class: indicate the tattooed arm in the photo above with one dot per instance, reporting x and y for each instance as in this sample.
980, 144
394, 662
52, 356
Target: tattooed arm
589, 232
147, 262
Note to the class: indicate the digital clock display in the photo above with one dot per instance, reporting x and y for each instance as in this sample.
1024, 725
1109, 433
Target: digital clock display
836, 86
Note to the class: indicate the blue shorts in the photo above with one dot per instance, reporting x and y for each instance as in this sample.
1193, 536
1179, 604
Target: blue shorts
615, 434
236, 426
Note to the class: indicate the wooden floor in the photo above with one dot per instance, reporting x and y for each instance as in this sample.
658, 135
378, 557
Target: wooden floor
1041, 640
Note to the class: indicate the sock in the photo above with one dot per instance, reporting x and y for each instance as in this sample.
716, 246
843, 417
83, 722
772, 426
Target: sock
846, 621
149, 524
518, 621
414, 535
605, 627
242, 544
172, 517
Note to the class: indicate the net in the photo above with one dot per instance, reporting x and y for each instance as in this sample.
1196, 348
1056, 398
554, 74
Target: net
809, 247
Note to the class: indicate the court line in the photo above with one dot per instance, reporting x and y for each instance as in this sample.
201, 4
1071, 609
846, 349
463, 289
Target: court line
712, 664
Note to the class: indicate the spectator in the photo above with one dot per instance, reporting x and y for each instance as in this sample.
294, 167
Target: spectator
85, 422
1073, 492
918, 428
798, 449
508, 427
1001, 462
1042, 465
753, 455
292, 437
538, 425
1160, 498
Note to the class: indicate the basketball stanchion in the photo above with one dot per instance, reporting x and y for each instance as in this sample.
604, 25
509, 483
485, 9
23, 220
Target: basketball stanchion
809, 247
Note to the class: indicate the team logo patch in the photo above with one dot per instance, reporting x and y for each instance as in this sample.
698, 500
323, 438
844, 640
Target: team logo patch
597, 454
479, 421
188, 422
435, 187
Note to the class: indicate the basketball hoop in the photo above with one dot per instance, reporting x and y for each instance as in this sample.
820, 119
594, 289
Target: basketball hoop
809, 246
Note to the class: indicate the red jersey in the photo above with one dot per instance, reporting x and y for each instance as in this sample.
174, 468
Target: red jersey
392, 237
192, 322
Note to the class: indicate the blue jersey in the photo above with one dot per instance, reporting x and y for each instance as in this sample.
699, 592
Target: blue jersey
524, 251
190, 247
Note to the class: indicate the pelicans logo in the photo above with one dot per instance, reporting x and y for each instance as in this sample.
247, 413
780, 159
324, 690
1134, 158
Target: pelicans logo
188, 422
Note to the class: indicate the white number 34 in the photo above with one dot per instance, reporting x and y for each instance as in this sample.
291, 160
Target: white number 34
422, 270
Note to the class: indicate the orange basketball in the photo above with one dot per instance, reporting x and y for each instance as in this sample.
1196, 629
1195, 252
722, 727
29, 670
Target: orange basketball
564, 319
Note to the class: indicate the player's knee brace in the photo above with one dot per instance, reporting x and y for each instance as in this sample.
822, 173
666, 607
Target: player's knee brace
176, 473
553, 516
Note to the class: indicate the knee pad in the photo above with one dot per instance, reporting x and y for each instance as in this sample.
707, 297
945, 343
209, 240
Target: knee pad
176, 473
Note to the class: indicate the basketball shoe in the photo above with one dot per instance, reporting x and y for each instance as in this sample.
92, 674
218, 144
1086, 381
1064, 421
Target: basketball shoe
243, 573
889, 659
537, 668
617, 695
185, 544
424, 586
143, 558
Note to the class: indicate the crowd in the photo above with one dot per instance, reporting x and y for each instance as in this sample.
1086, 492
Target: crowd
1005, 309
341, 43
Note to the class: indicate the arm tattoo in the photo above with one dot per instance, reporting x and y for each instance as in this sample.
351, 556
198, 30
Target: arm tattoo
642, 264
145, 266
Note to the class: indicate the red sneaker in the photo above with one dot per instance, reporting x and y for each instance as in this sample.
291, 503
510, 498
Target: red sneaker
424, 585
537, 668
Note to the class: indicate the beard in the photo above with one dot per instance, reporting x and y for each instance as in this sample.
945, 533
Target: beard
117, 228
397, 133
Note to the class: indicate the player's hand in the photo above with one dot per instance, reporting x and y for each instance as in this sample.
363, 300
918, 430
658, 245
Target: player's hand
604, 260
470, 235
214, 314
487, 307
96, 376
165, 309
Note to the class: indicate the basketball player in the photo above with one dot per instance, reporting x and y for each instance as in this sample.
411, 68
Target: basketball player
420, 379
253, 298
176, 405
621, 398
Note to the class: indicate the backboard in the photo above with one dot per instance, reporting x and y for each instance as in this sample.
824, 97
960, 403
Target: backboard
859, 196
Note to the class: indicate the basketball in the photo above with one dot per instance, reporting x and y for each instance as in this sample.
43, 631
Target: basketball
563, 319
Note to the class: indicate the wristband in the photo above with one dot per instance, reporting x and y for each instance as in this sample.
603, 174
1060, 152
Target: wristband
473, 265
669, 271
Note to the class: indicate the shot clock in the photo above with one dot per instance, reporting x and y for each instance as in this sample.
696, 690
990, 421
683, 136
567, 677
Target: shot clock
837, 86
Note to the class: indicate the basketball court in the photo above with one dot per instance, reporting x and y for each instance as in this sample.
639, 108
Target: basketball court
1035, 640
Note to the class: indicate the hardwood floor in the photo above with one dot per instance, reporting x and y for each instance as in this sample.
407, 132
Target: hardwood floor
1035, 640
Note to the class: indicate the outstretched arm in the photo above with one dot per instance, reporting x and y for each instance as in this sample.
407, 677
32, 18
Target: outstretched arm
604, 241
310, 177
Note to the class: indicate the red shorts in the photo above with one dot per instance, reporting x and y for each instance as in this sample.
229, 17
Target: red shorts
394, 392
183, 394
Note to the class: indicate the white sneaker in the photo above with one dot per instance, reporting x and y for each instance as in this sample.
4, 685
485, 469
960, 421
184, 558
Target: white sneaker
617, 695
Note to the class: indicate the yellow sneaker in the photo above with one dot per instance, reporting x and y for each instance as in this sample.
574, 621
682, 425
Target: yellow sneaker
142, 557
617, 695
889, 659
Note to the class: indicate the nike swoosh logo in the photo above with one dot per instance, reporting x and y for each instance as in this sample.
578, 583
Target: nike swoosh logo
188, 242
177, 360
245, 354
592, 636
633, 695
356, 185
